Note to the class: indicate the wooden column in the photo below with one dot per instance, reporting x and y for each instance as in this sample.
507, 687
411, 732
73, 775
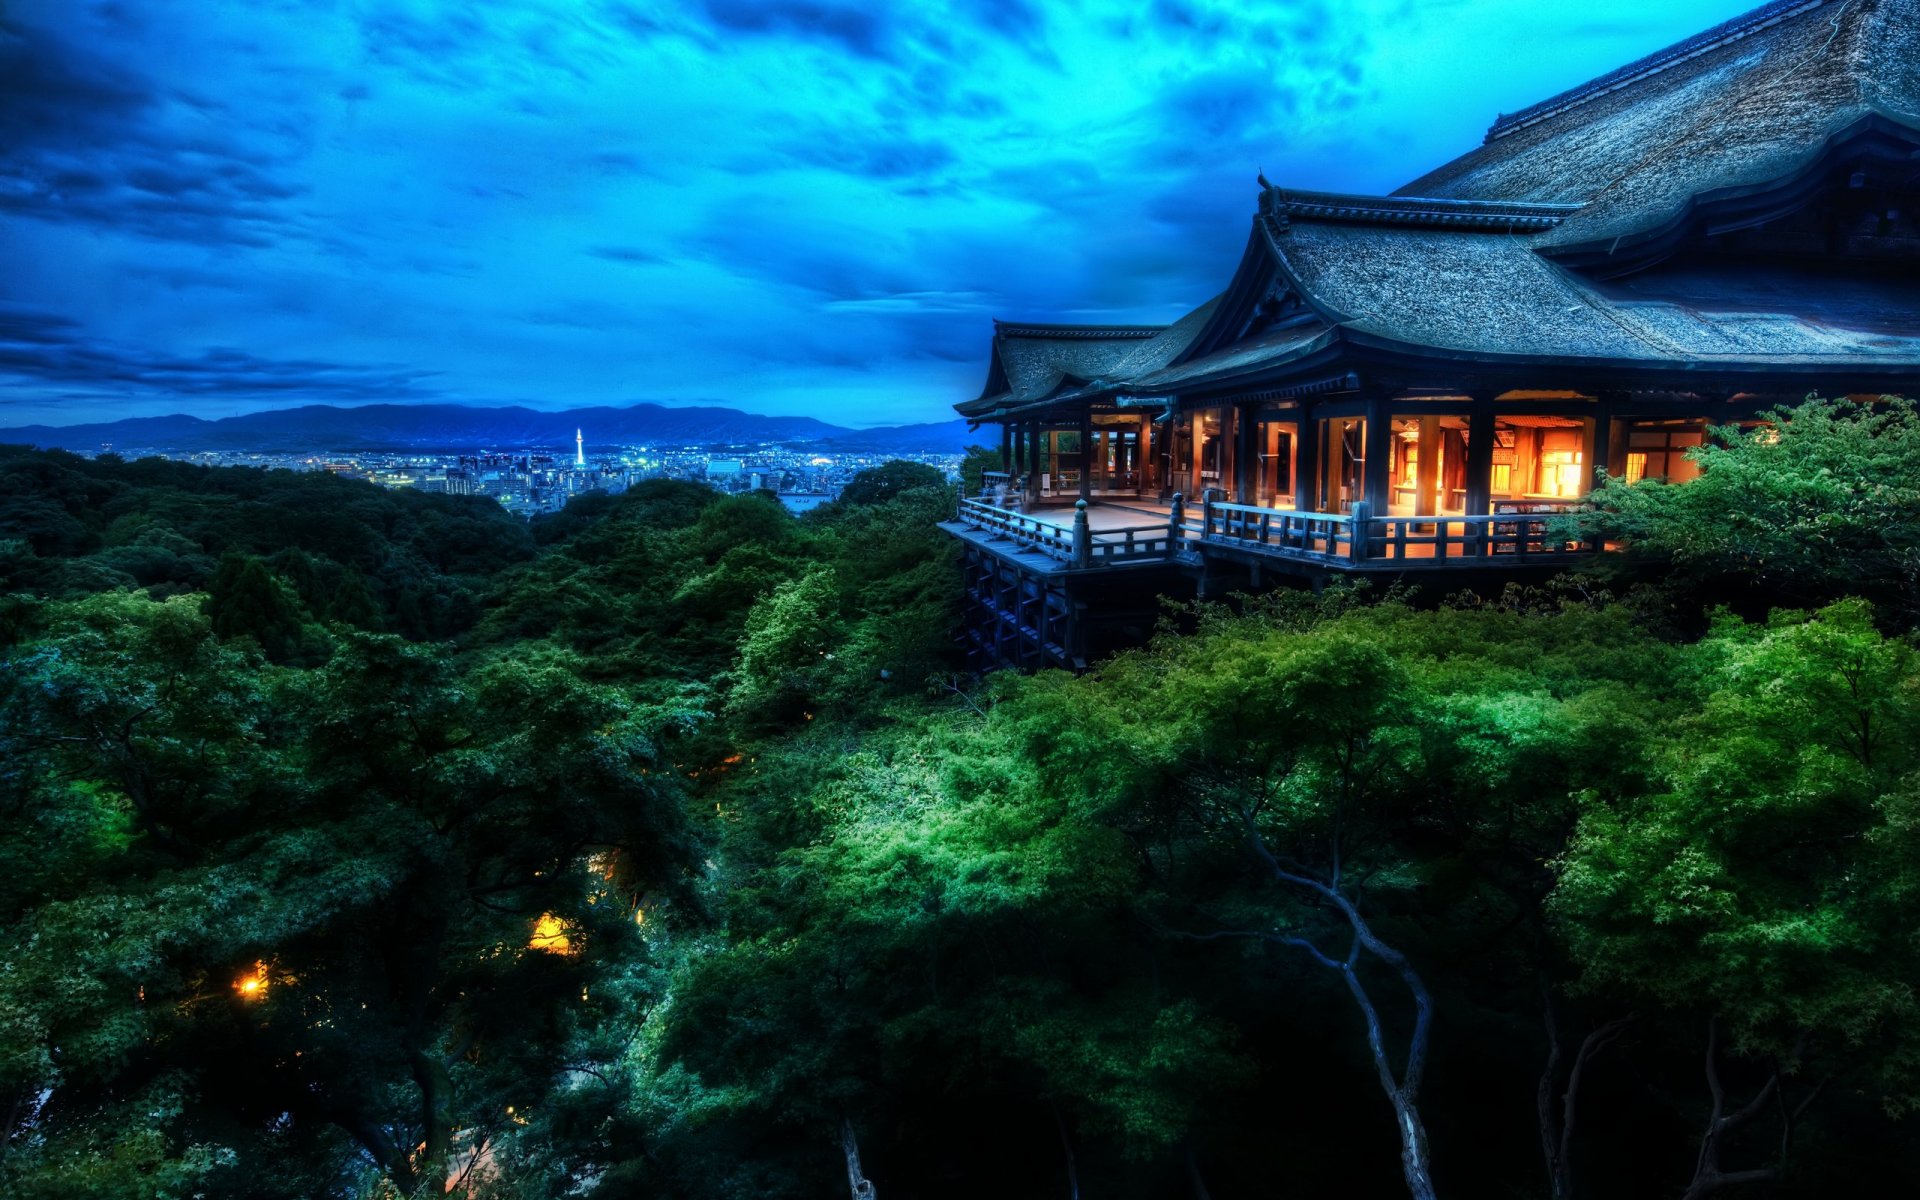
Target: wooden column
1427, 477
1245, 453
1144, 470
1480, 457
1377, 482
1306, 461
1006, 447
1086, 452
1197, 452
1600, 442
1029, 460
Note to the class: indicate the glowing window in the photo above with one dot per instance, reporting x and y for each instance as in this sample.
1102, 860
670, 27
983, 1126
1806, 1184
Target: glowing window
1563, 473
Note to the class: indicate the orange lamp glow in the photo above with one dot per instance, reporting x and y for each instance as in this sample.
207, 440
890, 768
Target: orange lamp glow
252, 985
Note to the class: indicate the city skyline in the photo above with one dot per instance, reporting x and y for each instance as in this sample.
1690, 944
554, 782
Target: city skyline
793, 207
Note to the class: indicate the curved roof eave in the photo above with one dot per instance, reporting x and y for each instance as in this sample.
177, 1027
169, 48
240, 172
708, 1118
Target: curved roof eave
1888, 130
1903, 369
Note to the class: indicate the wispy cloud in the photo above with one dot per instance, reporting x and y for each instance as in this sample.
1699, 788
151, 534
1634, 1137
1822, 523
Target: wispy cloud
41, 350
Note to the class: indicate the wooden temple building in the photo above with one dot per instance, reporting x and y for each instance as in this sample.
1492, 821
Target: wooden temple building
1416, 383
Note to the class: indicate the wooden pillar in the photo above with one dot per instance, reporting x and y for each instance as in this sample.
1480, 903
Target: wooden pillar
1144, 470
1600, 442
1480, 457
1306, 461
1196, 467
1035, 436
1245, 453
1377, 481
1427, 478
1006, 447
1086, 452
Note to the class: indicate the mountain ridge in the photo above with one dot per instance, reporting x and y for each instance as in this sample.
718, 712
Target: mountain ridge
326, 427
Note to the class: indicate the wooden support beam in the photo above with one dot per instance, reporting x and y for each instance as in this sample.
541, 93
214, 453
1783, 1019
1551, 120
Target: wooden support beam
1306, 461
1033, 463
1244, 453
1086, 452
1427, 471
1144, 468
1600, 442
1480, 457
1376, 480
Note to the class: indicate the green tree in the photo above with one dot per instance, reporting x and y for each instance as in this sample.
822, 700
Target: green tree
247, 600
974, 466
1816, 502
270, 928
877, 485
1753, 889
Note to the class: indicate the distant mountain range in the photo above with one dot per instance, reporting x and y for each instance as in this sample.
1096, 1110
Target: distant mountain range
322, 427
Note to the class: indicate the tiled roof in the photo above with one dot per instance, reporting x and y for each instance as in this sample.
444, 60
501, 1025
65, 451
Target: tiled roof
1752, 101
1038, 359
1725, 33
1492, 296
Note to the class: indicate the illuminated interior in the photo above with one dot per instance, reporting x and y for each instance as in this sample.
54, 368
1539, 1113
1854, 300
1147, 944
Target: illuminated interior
550, 935
1541, 458
1658, 450
1429, 468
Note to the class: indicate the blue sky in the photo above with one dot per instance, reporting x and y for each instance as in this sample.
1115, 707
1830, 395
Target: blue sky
788, 206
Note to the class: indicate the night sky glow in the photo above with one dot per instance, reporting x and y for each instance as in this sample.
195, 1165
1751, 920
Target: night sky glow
788, 206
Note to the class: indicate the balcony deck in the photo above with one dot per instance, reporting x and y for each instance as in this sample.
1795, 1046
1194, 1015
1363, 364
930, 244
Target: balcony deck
1120, 533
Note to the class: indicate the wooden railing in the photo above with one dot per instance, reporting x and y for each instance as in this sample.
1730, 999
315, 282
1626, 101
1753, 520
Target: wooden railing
1469, 541
1360, 538
1307, 535
1135, 543
1077, 544
1055, 541
1354, 540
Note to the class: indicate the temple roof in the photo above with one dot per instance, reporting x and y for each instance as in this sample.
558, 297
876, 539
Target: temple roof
1032, 362
1504, 254
1756, 103
1748, 101
1487, 296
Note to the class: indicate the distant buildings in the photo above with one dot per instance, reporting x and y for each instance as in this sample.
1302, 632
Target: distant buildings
530, 483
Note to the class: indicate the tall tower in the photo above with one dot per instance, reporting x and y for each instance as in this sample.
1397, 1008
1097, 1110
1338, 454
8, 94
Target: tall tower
579, 449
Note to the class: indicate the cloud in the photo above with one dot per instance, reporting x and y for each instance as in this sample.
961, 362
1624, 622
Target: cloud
40, 350
90, 140
864, 29
627, 254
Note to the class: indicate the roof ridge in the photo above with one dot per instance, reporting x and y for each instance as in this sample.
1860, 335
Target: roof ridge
1030, 330
1700, 43
1285, 203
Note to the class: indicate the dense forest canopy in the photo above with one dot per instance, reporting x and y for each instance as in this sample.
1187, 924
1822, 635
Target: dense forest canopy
370, 844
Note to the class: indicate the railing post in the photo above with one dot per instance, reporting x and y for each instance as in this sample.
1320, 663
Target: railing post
1082, 536
1206, 514
1176, 524
1362, 526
